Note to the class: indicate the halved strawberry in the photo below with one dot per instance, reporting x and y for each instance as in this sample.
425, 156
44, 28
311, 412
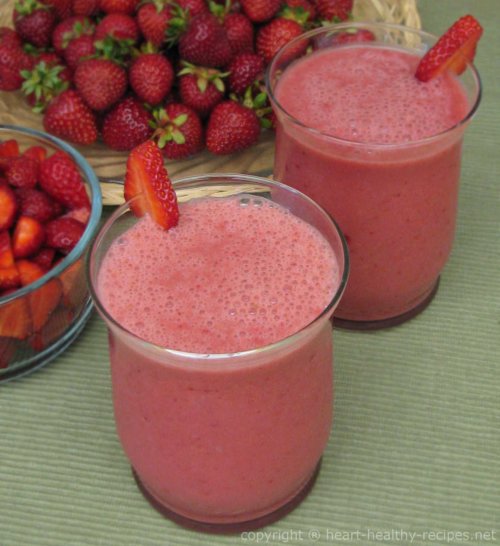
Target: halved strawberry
56, 325
22, 172
44, 258
9, 278
147, 178
36, 152
74, 285
44, 299
28, 237
63, 234
8, 150
15, 319
81, 215
6, 255
455, 48
8, 207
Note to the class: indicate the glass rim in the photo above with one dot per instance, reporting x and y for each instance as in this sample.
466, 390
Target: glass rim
353, 143
186, 182
95, 209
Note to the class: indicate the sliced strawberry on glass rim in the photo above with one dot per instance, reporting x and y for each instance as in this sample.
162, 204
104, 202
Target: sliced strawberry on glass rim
453, 51
147, 179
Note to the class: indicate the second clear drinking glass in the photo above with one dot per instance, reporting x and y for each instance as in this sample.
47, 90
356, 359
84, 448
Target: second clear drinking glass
394, 196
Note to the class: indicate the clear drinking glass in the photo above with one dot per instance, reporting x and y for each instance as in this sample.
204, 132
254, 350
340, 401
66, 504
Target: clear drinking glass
395, 203
224, 441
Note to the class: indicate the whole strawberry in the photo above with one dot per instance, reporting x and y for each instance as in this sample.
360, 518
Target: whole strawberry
159, 21
259, 11
68, 117
151, 77
78, 50
273, 36
118, 26
13, 60
334, 10
201, 88
244, 69
178, 131
239, 30
69, 29
62, 8
231, 128
100, 82
193, 7
10, 36
306, 6
126, 125
34, 22
85, 7
43, 82
61, 180
118, 6
205, 42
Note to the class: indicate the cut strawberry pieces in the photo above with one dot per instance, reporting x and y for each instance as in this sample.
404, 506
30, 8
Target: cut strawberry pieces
28, 237
6, 255
9, 278
453, 51
44, 210
148, 180
8, 207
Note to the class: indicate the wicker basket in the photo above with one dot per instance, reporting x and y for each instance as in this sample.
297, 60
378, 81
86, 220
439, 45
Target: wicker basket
109, 165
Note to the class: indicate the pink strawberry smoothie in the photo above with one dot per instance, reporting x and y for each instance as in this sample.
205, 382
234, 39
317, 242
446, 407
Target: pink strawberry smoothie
222, 438
373, 146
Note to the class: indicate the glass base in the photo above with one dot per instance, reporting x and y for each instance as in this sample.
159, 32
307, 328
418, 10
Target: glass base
389, 322
20, 369
228, 528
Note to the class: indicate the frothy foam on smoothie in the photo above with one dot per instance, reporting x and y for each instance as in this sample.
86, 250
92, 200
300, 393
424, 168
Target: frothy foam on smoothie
370, 94
233, 275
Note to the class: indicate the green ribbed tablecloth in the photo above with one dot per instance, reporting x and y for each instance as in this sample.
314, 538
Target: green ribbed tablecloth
416, 441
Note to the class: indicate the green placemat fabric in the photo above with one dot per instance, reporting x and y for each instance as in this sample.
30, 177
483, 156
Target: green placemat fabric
416, 441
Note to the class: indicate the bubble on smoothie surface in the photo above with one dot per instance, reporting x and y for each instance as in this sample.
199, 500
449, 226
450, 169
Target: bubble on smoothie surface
370, 94
232, 276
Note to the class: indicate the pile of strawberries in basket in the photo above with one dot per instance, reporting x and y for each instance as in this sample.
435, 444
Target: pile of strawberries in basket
187, 72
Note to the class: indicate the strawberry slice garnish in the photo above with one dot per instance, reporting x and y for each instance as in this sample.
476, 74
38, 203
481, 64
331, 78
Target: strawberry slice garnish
148, 180
452, 51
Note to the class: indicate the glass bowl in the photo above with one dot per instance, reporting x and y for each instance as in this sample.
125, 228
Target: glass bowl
27, 343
